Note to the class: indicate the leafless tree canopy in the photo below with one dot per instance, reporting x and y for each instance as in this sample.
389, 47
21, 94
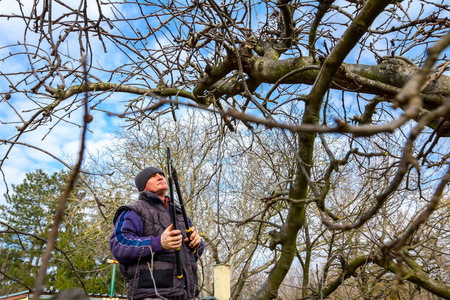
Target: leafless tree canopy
345, 104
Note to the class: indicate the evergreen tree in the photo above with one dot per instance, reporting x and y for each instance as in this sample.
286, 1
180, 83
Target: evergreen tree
28, 211
28, 216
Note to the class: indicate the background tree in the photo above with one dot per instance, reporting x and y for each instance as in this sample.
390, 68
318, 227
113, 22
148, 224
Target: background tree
212, 190
355, 94
28, 214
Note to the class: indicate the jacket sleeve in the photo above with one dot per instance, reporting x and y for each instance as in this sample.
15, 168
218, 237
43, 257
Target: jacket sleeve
201, 248
127, 242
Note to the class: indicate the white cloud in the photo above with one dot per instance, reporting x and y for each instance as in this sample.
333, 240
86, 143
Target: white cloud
63, 142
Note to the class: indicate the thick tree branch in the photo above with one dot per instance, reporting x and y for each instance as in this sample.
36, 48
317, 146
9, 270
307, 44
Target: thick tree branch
386, 79
416, 275
413, 273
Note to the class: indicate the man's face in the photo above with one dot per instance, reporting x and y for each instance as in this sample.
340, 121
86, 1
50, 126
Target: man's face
157, 184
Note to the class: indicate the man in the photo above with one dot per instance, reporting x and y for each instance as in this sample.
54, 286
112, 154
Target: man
143, 243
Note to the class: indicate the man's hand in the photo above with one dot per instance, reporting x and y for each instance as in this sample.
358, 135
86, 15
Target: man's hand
171, 239
195, 239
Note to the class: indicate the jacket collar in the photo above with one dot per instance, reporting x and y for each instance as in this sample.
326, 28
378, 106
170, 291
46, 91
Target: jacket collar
150, 197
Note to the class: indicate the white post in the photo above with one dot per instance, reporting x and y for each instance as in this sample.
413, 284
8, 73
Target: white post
222, 290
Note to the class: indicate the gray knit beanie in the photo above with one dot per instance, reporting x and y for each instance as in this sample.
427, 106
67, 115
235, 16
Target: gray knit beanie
143, 176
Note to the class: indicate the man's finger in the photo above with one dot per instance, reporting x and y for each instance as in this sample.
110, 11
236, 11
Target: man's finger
168, 229
175, 232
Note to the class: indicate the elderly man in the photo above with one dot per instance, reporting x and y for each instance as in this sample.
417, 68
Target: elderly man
143, 243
